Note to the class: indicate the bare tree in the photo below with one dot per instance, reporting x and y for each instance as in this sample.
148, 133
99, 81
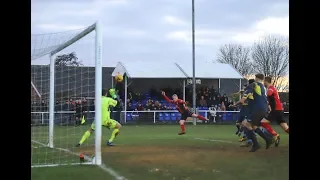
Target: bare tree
270, 57
237, 56
70, 59
283, 84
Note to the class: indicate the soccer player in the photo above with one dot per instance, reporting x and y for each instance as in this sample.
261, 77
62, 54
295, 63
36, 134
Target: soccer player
113, 95
276, 111
185, 112
258, 111
244, 112
84, 110
78, 112
106, 121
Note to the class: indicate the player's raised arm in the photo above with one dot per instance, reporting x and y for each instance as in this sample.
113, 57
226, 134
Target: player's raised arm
166, 97
113, 102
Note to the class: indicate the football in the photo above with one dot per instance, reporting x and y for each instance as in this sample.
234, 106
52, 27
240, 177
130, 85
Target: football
119, 78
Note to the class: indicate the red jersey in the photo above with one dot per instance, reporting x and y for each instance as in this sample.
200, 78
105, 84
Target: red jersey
179, 104
274, 99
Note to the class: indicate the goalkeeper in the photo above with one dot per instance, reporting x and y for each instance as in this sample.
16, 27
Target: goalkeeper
106, 121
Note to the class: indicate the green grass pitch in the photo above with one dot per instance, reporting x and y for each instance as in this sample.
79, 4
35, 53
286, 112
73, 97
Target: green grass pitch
156, 152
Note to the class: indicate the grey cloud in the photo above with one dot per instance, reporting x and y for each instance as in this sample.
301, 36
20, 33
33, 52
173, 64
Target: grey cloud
143, 18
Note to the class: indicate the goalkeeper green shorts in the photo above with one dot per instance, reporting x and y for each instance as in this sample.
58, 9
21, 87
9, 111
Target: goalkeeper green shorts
108, 123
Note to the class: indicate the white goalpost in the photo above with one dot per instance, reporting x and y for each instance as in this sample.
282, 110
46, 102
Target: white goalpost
58, 91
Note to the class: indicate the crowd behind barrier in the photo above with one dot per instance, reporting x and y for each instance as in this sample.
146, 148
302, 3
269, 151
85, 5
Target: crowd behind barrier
153, 100
147, 108
67, 118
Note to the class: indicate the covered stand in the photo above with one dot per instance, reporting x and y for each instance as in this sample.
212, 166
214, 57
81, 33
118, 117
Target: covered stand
143, 71
145, 74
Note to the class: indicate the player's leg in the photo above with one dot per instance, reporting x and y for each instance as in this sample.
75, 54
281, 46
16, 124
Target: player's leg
83, 118
251, 135
199, 117
278, 117
86, 135
256, 118
245, 137
184, 117
285, 127
113, 124
282, 122
76, 120
182, 125
265, 123
238, 126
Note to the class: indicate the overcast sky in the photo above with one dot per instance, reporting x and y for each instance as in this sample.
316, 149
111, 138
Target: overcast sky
157, 30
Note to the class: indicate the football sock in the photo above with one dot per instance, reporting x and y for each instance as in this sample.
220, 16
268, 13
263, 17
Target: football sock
245, 131
263, 135
238, 127
252, 136
113, 135
83, 120
287, 131
269, 129
241, 129
85, 136
201, 118
182, 127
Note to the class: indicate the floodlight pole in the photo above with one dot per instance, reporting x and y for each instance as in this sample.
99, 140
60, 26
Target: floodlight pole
193, 65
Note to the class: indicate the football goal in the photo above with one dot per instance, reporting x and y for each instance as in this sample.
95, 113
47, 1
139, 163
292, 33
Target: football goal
66, 87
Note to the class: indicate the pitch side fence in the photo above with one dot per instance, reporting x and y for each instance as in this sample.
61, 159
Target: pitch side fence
67, 118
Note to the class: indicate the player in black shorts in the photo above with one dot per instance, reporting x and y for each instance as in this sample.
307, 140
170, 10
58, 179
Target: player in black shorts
258, 109
276, 111
84, 110
244, 112
78, 114
185, 112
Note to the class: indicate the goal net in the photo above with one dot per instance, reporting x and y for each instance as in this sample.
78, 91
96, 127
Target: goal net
66, 85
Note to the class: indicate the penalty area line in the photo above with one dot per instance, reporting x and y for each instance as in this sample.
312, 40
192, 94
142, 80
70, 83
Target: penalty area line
103, 166
215, 140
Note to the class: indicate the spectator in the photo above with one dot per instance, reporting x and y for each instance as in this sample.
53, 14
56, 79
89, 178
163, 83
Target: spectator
58, 106
223, 107
224, 98
206, 93
129, 97
157, 105
203, 102
130, 108
164, 108
139, 107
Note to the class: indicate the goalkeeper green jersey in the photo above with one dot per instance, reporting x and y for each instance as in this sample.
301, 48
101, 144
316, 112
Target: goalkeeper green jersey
106, 102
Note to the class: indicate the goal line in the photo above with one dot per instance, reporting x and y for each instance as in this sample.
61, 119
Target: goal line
89, 159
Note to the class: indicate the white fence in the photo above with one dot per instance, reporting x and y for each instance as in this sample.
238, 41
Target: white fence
148, 117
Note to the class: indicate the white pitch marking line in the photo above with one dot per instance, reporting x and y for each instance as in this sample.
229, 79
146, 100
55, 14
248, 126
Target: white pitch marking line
103, 166
215, 140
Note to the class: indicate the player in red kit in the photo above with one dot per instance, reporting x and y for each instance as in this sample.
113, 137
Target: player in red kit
276, 111
185, 112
